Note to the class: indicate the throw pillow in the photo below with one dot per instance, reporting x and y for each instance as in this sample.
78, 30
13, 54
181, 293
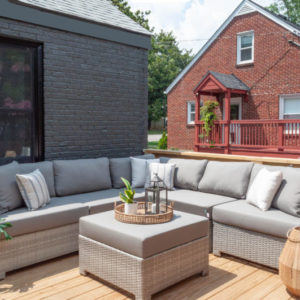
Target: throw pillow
139, 171
164, 171
263, 189
34, 190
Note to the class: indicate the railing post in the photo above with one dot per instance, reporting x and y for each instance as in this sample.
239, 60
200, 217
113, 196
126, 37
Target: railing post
227, 119
197, 126
280, 136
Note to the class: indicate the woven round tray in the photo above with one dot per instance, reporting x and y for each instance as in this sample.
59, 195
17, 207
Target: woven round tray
141, 218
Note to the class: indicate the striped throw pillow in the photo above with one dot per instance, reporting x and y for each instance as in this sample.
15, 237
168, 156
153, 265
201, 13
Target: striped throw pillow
33, 189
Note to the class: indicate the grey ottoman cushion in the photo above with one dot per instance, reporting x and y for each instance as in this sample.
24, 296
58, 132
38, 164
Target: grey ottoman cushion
287, 198
10, 197
188, 172
46, 168
143, 240
121, 167
246, 216
230, 179
81, 176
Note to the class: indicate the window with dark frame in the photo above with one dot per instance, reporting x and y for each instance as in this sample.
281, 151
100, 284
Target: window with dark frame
21, 101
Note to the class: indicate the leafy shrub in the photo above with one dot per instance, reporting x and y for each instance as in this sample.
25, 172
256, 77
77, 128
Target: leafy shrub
163, 142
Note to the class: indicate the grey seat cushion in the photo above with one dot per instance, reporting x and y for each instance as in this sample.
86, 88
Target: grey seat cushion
143, 240
196, 202
55, 214
121, 167
81, 176
287, 197
188, 172
99, 201
243, 215
46, 168
230, 179
10, 197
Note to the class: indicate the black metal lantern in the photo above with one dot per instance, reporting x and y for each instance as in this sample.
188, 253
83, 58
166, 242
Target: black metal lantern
153, 195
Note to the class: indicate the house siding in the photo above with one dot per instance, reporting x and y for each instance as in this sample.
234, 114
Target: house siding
275, 72
95, 93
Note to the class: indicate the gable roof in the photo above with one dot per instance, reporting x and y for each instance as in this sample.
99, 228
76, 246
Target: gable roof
229, 81
99, 11
245, 7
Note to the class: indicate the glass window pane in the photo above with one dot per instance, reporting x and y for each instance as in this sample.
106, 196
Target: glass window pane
246, 54
292, 106
192, 117
246, 41
16, 102
192, 107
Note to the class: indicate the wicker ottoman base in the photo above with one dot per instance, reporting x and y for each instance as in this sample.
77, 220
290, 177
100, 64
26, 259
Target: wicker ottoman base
143, 277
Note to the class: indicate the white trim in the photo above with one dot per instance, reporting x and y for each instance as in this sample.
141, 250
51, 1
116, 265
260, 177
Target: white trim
238, 47
281, 103
245, 9
220, 30
234, 101
189, 122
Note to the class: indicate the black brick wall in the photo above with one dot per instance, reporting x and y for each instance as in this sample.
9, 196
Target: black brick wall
95, 93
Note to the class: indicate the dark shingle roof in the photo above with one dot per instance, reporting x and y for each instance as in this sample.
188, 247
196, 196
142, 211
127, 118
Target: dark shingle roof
99, 11
230, 81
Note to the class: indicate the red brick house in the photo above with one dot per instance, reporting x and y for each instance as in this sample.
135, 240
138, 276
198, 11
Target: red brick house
251, 66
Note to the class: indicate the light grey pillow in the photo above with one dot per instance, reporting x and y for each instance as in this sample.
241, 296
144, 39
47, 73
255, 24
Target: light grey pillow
121, 167
188, 172
164, 171
81, 176
139, 170
10, 197
34, 190
46, 168
287, 199
229, 179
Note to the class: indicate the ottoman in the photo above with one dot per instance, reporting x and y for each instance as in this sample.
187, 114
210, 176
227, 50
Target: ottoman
143, 259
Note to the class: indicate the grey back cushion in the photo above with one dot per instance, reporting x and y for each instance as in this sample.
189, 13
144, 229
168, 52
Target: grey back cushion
287, 198
188, 172
121, 167
81, 176
46, 168
10, 197
229, 179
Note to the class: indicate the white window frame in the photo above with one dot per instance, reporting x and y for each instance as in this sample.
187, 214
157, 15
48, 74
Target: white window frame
189, 112
281, 110
239, 41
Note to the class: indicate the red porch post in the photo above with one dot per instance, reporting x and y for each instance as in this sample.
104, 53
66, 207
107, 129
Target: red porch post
227, 119
197, 128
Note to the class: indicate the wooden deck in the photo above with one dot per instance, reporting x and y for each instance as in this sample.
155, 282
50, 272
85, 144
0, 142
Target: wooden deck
229, 278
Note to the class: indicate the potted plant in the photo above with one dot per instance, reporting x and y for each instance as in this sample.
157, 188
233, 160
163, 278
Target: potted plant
127, 197
3, 226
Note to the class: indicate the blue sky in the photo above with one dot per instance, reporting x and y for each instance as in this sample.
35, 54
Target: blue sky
192, 21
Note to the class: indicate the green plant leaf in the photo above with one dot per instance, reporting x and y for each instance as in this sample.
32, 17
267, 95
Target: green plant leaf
129, 194
126, 182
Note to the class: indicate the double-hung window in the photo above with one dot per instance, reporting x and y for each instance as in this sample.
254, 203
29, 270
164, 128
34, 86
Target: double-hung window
191, 111
245, 47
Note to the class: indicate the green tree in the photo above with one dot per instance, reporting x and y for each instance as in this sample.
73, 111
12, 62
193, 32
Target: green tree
288, 8
165, 61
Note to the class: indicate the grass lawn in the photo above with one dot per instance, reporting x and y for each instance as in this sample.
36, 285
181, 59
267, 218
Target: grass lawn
153, 145
155, 131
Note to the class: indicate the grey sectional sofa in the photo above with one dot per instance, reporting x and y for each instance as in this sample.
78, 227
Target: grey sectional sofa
216, 190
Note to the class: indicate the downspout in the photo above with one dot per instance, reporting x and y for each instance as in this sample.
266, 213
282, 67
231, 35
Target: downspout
294, 43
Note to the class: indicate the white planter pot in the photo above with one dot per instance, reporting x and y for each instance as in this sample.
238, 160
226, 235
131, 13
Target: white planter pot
130, 208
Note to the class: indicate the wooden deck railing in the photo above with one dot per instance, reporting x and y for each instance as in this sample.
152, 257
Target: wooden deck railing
275, 135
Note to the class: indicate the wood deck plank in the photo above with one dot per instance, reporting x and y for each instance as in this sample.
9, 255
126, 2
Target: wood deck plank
59, 279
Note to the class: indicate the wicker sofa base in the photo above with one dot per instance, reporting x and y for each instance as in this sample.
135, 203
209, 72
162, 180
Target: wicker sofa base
39, 246
253, 246
143, 277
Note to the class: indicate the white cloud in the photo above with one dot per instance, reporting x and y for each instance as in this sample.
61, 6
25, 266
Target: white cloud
189, 19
